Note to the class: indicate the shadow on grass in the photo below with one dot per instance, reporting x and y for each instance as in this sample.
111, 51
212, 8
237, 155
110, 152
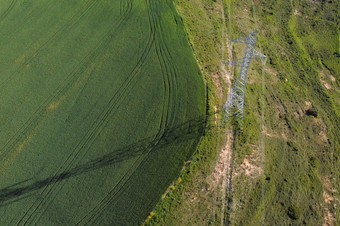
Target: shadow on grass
186, 131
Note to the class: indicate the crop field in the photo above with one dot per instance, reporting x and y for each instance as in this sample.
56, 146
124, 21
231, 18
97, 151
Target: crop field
101, 103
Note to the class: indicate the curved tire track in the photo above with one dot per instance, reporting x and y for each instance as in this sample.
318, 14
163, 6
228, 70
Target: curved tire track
33, 120
8, 10
167, 118
99, 123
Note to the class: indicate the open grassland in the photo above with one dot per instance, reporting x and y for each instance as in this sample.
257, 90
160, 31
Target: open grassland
300, 133
286, 164
101, 102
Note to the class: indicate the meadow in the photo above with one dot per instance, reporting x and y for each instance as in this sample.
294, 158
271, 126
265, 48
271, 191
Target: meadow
101, 103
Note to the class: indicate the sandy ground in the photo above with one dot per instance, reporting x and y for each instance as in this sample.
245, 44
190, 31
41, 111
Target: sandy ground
329, 200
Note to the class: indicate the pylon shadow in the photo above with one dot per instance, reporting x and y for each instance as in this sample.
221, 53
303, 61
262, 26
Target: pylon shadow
185, 131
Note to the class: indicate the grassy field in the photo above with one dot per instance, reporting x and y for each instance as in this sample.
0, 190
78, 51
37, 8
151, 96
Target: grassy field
286, 158
101, 103
300, 183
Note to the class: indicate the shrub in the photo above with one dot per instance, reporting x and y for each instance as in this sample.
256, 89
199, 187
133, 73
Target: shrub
294, 212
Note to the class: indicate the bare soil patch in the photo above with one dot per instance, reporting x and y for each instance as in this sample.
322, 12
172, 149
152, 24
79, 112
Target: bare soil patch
329, 198
250, 165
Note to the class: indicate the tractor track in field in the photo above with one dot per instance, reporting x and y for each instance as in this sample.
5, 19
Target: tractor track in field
23, 189
168, 68
166, 80
8, 10
167, 117
46, 191
65, 29
75, 74
124, 88
58, 91
167, 135
90, 135
95, 213
124, 7
29, 18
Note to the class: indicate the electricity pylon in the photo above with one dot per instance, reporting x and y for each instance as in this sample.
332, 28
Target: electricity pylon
235, 102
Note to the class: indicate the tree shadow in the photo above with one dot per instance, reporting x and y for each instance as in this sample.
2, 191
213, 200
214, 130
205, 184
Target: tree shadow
186, 131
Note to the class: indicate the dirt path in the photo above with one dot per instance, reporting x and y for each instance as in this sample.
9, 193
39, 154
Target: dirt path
227, 173
220, 180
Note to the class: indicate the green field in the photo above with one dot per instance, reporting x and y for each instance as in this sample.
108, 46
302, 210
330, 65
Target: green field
101, 102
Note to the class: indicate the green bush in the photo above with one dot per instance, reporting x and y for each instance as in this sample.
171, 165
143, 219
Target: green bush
294, 212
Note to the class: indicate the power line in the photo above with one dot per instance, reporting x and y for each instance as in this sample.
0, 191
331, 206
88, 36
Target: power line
235, 102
